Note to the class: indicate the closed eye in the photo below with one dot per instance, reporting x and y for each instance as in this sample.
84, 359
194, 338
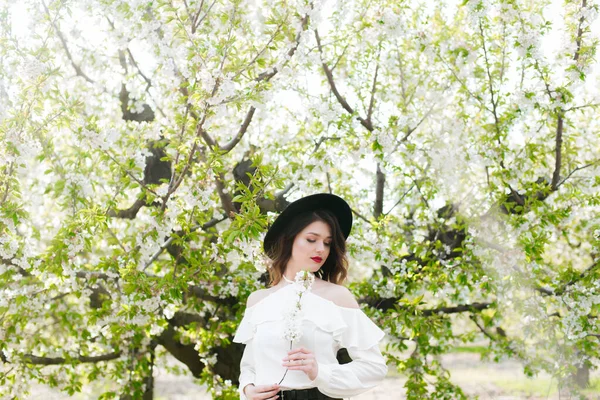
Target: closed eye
312, 241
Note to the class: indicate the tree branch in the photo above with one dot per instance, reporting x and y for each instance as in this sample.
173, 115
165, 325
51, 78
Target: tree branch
260, 52
543, 77
6, 183
196, 22
181, 318
592, 105
401, 198
561, 290
209, 140
263, 76
168, 242
226, 199
409, 131
129, 213
31, 359
135, 64
481, 328
372, 102
268, 75
340, 57
462, 83
558, 151
76, 67
323, 139
334, 89
385, 304
577, 169
545, 291
229, 146
92, 274
175, 184
579, 33
286, 189
8, 262
183, 352
329, 75
379, 187
596, 335
359, 215
457, 309
139, 182
491, 86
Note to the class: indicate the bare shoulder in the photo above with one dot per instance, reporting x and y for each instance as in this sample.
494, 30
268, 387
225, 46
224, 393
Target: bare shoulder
339, 294
256, 296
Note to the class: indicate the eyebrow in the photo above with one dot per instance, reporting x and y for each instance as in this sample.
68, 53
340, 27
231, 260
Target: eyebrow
316, 234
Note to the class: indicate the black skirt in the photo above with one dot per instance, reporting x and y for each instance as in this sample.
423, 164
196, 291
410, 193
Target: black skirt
304, 394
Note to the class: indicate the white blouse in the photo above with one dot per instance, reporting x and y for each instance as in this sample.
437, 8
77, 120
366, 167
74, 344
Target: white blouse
326, 327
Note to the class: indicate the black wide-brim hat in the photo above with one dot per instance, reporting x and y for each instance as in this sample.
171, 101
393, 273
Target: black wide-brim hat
319, 201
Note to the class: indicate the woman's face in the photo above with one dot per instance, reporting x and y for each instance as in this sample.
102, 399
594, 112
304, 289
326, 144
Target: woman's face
311, 247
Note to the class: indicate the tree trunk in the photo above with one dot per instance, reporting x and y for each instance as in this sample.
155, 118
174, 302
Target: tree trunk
581, 378
148, 380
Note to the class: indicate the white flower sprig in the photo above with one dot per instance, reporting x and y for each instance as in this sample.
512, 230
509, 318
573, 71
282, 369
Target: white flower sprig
292, 317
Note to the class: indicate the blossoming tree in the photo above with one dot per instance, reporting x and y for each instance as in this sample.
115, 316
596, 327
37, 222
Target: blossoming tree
147, 144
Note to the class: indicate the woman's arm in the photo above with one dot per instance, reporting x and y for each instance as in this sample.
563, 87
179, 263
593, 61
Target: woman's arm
247, 369
361, 338
366, 371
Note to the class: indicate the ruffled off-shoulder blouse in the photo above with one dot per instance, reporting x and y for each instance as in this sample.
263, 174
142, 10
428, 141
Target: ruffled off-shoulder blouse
326, 327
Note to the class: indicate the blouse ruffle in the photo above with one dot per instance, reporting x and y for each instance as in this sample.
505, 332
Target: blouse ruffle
350, 327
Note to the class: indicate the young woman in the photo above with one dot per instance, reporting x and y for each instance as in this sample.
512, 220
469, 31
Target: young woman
309, 234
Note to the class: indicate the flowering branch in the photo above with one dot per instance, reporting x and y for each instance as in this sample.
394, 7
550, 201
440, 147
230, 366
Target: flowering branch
76, 67
292, 325
31, 359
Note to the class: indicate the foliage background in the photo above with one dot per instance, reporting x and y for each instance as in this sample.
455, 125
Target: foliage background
146, 145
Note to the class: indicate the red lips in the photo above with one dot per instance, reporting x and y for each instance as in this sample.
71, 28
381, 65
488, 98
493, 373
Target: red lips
316, 259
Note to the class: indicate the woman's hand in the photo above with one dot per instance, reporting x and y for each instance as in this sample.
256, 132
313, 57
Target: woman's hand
261, 392
302, 360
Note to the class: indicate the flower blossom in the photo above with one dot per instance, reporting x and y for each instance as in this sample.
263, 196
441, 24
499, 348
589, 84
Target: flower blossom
292, 318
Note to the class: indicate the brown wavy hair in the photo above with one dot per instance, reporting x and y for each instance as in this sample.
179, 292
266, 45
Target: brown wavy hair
334, 269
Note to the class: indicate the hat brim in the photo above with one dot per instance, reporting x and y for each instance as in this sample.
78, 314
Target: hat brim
319, 201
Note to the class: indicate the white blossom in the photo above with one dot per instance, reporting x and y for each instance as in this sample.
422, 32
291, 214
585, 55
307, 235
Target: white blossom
292, 318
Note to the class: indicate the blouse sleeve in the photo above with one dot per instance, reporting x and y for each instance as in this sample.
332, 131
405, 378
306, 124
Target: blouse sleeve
367, 369
244, 334
247, 371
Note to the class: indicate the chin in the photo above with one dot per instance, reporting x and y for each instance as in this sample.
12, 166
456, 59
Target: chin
315, 269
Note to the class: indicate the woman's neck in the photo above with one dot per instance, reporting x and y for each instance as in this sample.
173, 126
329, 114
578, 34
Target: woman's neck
289, 277
290, 273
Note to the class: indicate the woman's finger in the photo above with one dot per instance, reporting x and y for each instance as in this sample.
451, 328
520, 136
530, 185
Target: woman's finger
299, 361
307, 365
300, 368
267, 395
300, 350
302, 355
299, 357
268, 392
267, 388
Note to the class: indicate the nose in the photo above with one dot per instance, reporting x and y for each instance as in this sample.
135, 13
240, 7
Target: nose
320, 247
